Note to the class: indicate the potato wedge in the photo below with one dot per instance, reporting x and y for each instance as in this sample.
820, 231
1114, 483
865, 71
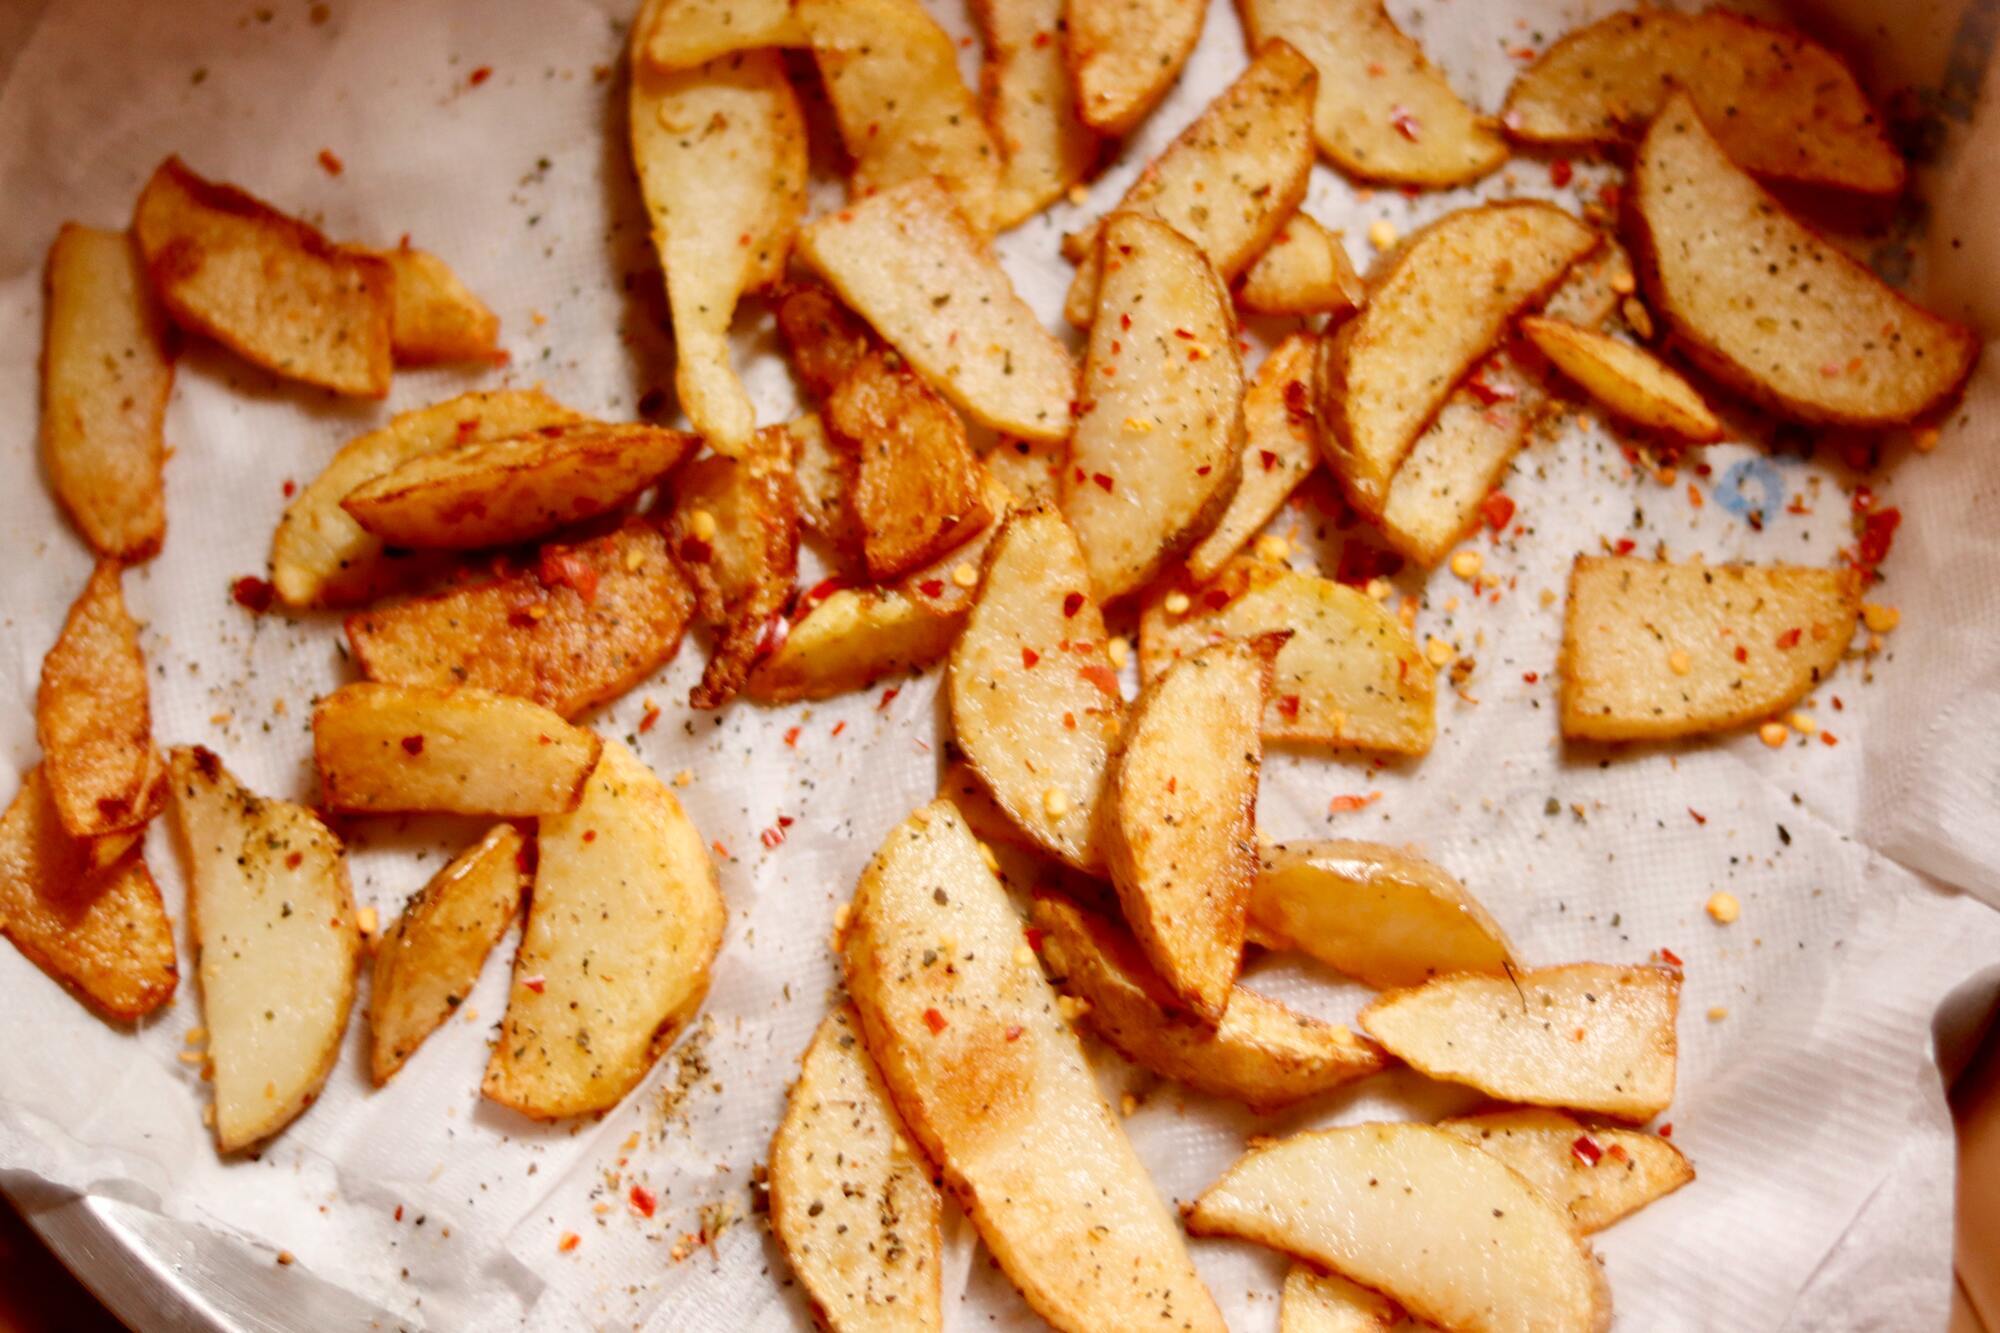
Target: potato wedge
1765, 305
823, 476
1029, 471
107, 369
278, 943
390, 749
1229, 180
1124, 56
321, 557
721, 155
1383, 112
1303, 271
1350, 676
1784, 106
1628, 381
265, 285
1420, 1216
101, 932
826, 339
517, 488
1652, 649
1595, 1175
435, 317
624, 923
1030, 105
1260, 1053
994, 1085
93, 718
891, 75
910, 264
1431, 315
426, 963
853, 1204
1586, 1036
1158, 447
680, 34
587, 623
1385, 917
1035, 703
1314, 1302
1280, 447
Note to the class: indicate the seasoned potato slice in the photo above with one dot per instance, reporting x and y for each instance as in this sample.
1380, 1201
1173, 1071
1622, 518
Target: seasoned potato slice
385, 749
1303, 271
827, 341
93, 718
1767, 306
1652, 649
107, 368
1586, 1036
1260, 1053
852, 1200
910, 264
1280, 448
277, 940
1314, 1302
1595, 1175
265, 285
1030, 103
1028, 471
994, 1085
436, 317
1383, 112
823, 477
426, 963
1158, 447
1124, 55
1630, 381
1434, 312
586, 624
735, 527
623, 925
1351, 674
1421, 1216
680, 34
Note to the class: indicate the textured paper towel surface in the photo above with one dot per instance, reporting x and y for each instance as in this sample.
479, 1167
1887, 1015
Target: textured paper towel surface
1812, 1112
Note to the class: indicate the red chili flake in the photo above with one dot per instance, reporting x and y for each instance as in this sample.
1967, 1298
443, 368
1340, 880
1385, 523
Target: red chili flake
413, 745
1406, 124
934, 1021
1531, 676
559, 567
1560, 172
1215, 598
643, 1201
1498, 510
1072, 603
888, 696
931, 587
1042, 39
1029, 657
1289, 705
1102, 676
776, 630
569, 1242
772, 838
330, 163
399, 1212
480, 75
1267, 458
1790, 638
1624, 545
1699, 817
695, 551
1489, 394
295, 860
1586, 1150
1742, 654
839, 727
1667, 1130
1341, 805
1103, 479
290, 488
1014, 1031
650, 718
253, 594
792, 737
535, 984
1186, 335
720, 850
1671, 959
1298, 403
590, 835
1035, 935
1878, 534
1609, 194
1828, 738
1069, 721
1616, 1152
824, 589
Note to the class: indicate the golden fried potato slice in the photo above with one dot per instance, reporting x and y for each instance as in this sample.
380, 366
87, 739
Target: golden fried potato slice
826, 339
587, 623
823, 476
1229, 180
1303, 271
1784, 106
92, 715
278, 943
1030, 103
1437, 308
1384, 112
1315, 1302
266, 285
908, 262
436, 318
101, 932
516, 488
1443, 1229
107, 368
680, 34
1586, 1036
1280, 447
993, 1084
853, 1204
426, 963
1351, 675
1124, 56
1652, 649
1628, 381
1595, 1175
1029, 471
1765, 305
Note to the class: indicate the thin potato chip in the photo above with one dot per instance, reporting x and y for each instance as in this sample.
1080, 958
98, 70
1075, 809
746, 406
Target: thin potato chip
1045, 147
1124, 56
1280, 447
1304, 271
1315, 1302
1628, 380
436, 316
93, 718
1595, 1175
680, 34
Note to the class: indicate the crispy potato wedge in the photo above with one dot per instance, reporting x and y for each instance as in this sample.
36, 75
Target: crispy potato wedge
1030, 104
426, 963
1124, 56
1595, 1175
390, 749
1446, 1231
1585, 1036
908, 262
823, 477
1303, 271
1035, 703
891, 75
1628, 381
516, 488
1260, 1053
680, 34
436, 318
1280, 447
100, 931
1383, 111
1229, 180
321, 557
1784, 106
93, 718
853, 1204
1436, 309
1158, 447
587, 623
623, 926
107, 368
278, 943
266, 285
1314, 1302
1761, 302
1652, 649
994, 1085
1385, 917
826, 339
1029, 471
1351, 675
983, 815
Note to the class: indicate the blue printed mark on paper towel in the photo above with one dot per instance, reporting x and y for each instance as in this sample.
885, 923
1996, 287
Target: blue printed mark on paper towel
1752, 490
